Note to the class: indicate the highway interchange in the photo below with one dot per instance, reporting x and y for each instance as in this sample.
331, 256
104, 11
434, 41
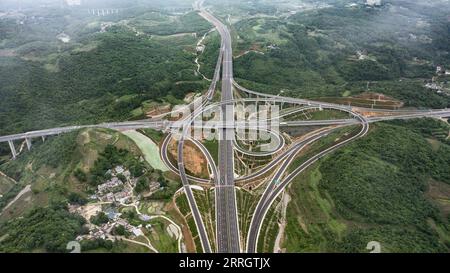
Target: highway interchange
228, 236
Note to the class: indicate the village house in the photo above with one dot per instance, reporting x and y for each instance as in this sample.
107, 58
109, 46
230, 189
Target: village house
122, 196
110, 185
119, 169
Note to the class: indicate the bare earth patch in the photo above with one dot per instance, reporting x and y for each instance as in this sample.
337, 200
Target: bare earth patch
90, 210
194, 161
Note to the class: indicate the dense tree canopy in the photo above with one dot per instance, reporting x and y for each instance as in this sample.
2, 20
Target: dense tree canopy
48, 229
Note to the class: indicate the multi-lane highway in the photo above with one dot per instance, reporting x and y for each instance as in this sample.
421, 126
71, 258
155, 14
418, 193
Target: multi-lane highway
266, 149
204, 240
186, 129
165, 158
166, 125
129, 125
227, 228
276, 186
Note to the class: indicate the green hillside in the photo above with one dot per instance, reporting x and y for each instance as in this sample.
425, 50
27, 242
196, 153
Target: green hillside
390, 187
48, 179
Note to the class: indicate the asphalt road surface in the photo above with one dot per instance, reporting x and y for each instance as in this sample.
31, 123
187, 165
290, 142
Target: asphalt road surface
227, 228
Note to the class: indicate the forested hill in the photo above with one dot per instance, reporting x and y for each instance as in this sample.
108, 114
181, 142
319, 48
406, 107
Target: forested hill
391, 186
110, 66
335, 49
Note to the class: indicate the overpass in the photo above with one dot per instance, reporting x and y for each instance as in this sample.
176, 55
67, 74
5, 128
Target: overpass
171, 125
130, 125
227, 230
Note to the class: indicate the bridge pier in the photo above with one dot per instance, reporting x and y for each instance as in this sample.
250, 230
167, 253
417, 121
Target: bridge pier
13, 149
28, 141
43, 138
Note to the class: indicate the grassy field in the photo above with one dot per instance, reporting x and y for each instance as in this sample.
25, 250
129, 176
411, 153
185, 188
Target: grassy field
183, 206
269, 229
317, 114
246, 204
333, 138
328, 114
160, 238
311, 226
205, 202
156, 136
213, 148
